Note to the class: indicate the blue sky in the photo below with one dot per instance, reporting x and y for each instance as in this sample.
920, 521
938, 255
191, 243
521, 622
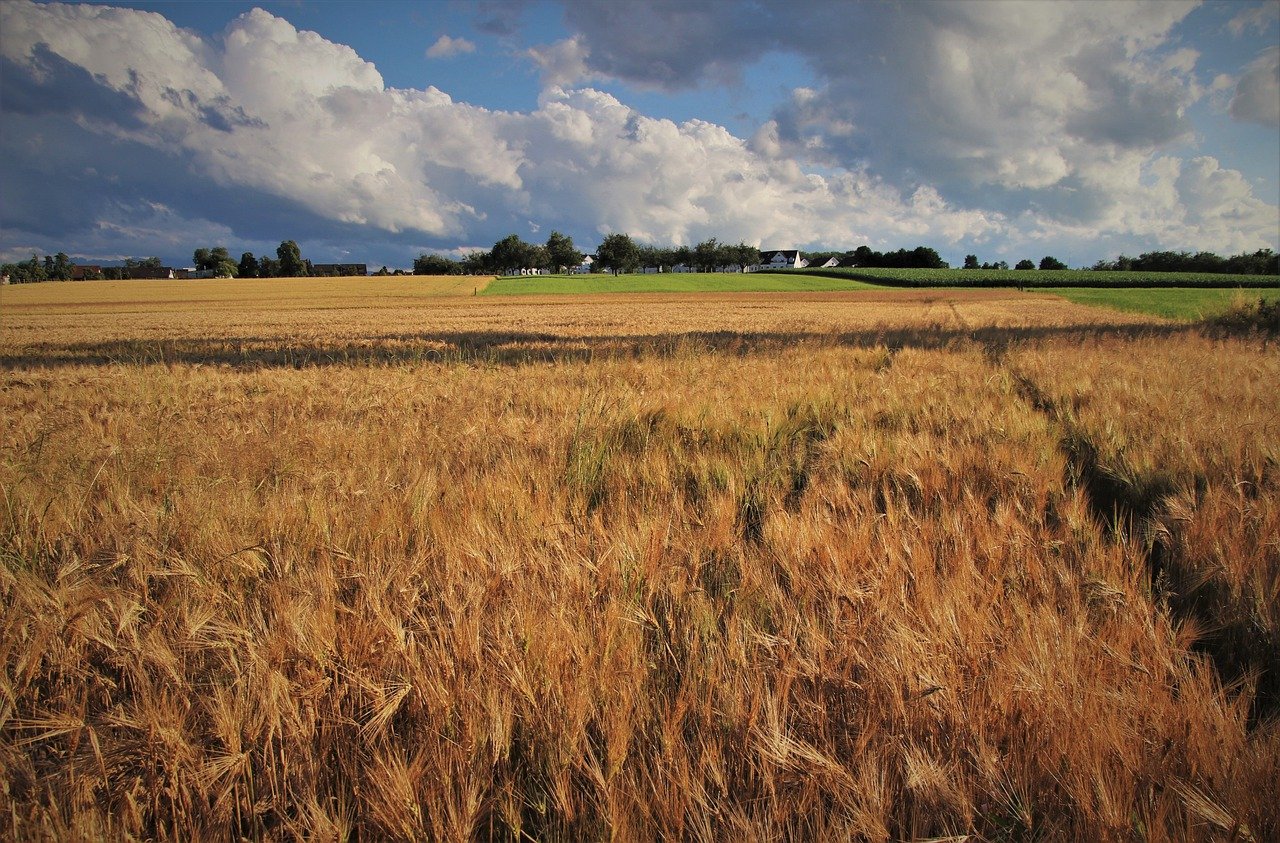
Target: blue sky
377, 131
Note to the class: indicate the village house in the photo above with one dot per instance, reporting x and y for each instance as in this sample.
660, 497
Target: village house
781, 259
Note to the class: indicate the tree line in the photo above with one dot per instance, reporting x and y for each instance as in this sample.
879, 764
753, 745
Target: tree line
1046, 262
617, 253
1261, 262
217, 261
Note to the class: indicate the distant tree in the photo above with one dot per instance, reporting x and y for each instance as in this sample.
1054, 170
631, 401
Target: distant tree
707, 255
746, 255
476, 263
382, 272
648, 256
435, 265
57, 267
268, 267
971, 262
682, 256
1261, 262
618, 252
25, 272
540, 258
1025, 264
864, 256
564, 255
141, 268
215, 260
248, 267
1050, 262
290, 258
511, 254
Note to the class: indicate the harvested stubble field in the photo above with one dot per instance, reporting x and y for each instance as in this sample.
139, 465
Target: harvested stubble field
816, 567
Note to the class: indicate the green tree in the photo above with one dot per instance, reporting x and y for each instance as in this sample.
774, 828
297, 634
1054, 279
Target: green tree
248, 266
648, 256
619, 253
970, 261
26, 272
476, 263
511, 254
268, 267
707, 255
564, 255
216, 260
435, 265
291, 263
1024, 264
1050, 262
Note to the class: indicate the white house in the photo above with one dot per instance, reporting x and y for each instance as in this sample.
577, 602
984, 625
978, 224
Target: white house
583, 268
829, 262
781, 259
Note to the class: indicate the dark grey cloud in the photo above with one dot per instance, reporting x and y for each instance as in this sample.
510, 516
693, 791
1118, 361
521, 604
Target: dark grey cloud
49, 84
672, 44
500, 17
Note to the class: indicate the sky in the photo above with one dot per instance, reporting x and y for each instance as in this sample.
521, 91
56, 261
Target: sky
375, 132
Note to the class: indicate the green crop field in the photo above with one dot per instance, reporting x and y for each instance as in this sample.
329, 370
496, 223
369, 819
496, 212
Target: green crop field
1171, 303
682, 282
1042, 278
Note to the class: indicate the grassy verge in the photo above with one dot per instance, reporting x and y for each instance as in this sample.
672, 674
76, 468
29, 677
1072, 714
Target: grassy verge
1170, 303
684, 282
1042, 278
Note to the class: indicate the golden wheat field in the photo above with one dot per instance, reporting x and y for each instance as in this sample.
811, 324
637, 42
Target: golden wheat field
864, 566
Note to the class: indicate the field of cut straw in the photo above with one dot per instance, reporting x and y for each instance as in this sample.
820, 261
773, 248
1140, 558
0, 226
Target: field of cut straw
875, 566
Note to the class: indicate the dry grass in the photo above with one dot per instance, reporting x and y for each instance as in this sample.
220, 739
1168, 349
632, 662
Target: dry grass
1187, 439
325, 321
796, 589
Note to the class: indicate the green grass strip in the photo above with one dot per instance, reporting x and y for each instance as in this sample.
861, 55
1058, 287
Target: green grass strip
1171, 303
1041, 278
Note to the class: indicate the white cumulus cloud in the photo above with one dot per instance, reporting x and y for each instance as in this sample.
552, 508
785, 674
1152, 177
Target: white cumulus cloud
931, 123
446, 47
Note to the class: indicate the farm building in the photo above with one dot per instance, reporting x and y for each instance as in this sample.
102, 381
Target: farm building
781, 259
82, 272
150, 273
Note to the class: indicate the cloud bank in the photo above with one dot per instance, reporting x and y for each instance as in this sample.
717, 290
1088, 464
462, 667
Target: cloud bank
948, 124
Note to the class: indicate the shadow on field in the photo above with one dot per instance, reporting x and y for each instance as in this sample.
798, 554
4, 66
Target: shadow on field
516, 348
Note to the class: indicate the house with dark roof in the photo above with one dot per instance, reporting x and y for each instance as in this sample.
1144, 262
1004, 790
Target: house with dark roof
820, 264
780, 259
82, 272
149, 273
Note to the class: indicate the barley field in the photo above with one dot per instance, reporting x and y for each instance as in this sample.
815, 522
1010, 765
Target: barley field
874, 566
